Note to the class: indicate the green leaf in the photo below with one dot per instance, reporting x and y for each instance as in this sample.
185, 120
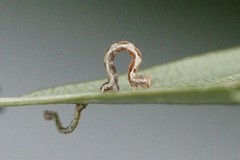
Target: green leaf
211, 78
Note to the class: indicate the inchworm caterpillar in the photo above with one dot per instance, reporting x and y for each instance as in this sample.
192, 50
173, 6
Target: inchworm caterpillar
135, 80
50, 115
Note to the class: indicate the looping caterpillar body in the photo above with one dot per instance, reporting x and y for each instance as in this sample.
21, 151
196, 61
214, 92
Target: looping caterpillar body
135, 80
51, 115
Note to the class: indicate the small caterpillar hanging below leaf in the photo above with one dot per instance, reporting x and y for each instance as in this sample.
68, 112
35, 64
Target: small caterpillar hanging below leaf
51, 115
136, 81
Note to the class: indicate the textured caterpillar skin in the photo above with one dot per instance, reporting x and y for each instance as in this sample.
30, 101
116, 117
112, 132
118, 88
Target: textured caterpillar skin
136, 81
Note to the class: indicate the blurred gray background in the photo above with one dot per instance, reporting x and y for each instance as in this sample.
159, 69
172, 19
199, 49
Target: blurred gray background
47, 43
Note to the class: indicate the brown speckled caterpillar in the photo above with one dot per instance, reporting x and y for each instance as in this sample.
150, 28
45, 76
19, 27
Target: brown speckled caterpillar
135, 80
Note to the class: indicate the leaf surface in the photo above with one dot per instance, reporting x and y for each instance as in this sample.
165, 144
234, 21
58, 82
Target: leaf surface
211, 78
